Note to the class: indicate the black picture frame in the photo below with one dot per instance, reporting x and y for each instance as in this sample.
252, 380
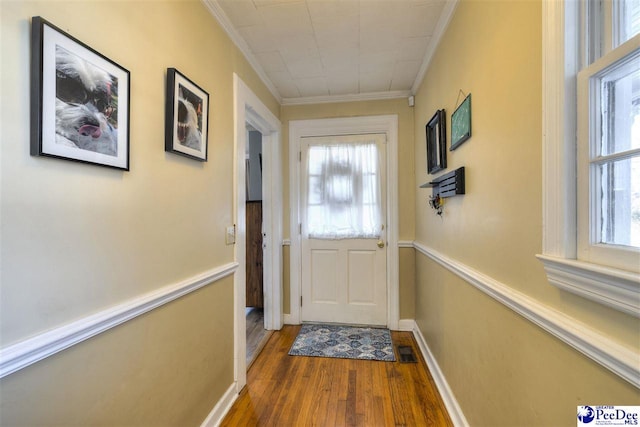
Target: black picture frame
79, 100
436, 142
186, 118
461, 123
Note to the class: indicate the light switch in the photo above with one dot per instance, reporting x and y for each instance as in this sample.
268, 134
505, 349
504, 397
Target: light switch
231, 235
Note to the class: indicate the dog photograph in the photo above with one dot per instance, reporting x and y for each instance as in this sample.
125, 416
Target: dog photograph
189, 119
186, 117
86, 108
79, 100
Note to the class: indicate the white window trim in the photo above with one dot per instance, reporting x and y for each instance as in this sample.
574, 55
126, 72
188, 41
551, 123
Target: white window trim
588, 232
560, 61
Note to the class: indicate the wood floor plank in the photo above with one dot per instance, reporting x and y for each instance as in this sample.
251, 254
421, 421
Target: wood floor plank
341, 414
285, 390
320, 405
365, 385
351, 398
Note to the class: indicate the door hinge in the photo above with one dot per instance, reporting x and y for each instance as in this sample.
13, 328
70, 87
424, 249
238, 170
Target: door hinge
300, 300
300, 156
300, 228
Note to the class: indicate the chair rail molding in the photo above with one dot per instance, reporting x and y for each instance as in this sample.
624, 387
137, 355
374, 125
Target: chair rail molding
24, 353
619, 359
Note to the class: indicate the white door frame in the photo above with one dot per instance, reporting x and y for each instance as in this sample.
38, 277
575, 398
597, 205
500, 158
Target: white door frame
387, 124
249, 109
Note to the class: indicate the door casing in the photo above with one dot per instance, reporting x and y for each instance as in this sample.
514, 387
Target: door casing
249, 109
330, 292
387, 124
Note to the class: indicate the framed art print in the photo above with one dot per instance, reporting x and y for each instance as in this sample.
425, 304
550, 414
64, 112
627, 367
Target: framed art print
79, 100
461, 123
436, 143
187, 113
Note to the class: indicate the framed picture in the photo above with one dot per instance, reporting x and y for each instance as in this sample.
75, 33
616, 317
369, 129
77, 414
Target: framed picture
436, 143
461, 123
79, 100
187, 113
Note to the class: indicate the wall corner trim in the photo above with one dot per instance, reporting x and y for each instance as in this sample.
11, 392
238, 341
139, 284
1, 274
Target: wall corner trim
610, 354
216, 11
450, 402
221, 409
442, 25
24, 353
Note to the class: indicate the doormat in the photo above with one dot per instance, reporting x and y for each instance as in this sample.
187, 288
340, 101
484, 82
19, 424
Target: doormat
344, 342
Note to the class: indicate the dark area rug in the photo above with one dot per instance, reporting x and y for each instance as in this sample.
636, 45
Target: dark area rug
345, 342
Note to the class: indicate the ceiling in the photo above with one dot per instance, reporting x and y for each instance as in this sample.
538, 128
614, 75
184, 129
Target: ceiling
330, 50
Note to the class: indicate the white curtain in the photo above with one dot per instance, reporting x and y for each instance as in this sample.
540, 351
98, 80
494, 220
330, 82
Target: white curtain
343, 191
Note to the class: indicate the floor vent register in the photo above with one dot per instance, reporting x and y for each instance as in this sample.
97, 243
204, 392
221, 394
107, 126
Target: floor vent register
406, 354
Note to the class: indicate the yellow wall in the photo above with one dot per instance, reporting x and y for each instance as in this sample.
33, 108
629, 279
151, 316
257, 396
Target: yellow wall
77, 238
503, 369
168, 367
407, 280
405, 191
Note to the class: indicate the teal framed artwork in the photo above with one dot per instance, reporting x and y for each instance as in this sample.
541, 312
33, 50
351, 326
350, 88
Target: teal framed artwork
461, 123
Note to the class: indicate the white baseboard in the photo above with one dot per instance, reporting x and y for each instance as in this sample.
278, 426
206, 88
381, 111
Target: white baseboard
288, 319
455, 412
219, 411
406, 325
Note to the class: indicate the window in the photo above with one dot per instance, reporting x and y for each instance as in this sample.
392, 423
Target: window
608, 140
626, 19
591, 150
343, 188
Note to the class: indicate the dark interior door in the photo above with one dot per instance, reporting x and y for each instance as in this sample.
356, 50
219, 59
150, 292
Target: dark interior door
254, 255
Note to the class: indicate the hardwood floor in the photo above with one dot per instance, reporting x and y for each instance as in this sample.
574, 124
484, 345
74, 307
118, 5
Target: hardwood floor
285, 390
256, 334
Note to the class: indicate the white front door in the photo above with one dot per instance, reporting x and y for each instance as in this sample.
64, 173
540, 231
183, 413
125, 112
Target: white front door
344, 269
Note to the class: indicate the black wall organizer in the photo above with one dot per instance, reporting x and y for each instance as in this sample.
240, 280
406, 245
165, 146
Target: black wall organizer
447, 185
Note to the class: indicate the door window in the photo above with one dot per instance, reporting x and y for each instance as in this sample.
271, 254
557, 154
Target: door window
343, 189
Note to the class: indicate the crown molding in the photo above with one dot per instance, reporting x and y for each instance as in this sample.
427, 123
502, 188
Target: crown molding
214, 7
441, 27
327, 99
449, 8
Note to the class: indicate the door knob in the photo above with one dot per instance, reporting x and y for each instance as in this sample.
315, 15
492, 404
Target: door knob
380, 244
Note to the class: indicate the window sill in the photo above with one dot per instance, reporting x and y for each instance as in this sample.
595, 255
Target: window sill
615, 288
